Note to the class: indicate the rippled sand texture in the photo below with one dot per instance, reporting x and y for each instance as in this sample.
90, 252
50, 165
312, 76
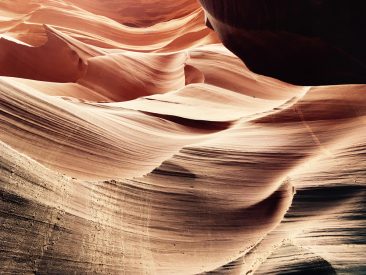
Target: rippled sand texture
133, 142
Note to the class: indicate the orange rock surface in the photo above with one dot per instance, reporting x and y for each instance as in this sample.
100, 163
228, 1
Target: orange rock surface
133, 142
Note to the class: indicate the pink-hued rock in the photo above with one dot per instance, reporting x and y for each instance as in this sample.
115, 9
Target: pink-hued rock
133, 142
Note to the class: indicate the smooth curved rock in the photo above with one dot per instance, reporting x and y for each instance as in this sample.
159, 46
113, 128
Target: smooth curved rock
141, 145
305, 42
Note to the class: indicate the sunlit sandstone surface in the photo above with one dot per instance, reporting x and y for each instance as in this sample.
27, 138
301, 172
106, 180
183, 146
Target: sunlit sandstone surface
133, 142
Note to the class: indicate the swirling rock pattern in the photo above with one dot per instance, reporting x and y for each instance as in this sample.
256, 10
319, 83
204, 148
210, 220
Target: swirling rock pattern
133, 142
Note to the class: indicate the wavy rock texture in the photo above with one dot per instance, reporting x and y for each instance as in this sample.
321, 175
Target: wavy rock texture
133, 142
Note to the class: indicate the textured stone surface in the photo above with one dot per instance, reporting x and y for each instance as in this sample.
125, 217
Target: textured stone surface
153, 149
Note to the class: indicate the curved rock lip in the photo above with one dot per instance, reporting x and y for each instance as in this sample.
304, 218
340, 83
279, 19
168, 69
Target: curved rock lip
305, 42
